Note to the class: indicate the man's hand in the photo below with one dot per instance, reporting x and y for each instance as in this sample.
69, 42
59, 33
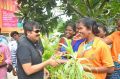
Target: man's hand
14, 72
59, 53
53, 62
3, 64
61, 61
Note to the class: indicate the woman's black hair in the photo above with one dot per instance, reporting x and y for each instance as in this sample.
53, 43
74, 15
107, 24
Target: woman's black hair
103, 27
89, 24
71, 24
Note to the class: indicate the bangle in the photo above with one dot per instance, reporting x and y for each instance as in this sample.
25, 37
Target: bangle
96, 69
57, 61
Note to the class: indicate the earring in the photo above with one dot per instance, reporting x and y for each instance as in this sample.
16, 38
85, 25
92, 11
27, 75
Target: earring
89, 32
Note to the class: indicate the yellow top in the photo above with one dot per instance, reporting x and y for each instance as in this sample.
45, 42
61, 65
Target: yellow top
115, 50
98, 55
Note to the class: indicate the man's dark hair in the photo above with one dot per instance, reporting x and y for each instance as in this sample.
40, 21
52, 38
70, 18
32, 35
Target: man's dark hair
29, 25
13, 33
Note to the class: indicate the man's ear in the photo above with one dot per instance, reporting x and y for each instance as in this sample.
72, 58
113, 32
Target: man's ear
28, 33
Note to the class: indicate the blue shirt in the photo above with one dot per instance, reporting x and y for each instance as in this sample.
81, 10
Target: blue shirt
76, 44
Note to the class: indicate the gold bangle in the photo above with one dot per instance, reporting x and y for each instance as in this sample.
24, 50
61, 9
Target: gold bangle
96, 69
57, 61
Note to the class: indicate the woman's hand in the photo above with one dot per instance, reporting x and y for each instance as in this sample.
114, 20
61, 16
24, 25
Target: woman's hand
46, 73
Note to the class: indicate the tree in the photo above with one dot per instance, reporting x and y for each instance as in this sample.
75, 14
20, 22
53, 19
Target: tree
39, 11
101, 10
104, 11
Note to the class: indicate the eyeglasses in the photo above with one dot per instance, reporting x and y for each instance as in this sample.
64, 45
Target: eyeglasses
36, 31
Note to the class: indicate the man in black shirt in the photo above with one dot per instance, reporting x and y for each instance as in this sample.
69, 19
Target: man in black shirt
29, 53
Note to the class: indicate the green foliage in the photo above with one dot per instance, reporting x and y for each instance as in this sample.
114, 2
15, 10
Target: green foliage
49, 47
105, 11
73, 69
68, 46
61, 26
40, 11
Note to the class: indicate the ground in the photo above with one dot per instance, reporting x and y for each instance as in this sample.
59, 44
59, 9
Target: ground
10, 76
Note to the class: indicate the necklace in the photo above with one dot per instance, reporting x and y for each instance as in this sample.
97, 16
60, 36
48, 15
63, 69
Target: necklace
86, 47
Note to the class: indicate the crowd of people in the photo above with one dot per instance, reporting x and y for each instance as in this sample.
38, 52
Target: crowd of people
89, 39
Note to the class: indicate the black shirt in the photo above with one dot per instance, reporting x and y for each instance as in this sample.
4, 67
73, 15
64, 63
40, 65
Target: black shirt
29, 52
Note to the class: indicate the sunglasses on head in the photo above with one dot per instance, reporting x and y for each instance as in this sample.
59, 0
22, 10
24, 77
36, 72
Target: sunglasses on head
37, 31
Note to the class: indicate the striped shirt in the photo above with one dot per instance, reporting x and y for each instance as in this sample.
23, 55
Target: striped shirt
13, 48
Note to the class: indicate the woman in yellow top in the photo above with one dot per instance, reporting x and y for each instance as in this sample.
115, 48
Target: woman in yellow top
114, 39
97, 53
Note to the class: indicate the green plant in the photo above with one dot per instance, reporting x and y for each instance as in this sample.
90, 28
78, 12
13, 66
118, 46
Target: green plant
73, 69
49, 47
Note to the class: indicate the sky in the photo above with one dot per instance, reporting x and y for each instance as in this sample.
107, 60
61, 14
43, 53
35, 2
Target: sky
57, 11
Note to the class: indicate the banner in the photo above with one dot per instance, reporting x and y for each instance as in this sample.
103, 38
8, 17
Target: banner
9, 19
0, 18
